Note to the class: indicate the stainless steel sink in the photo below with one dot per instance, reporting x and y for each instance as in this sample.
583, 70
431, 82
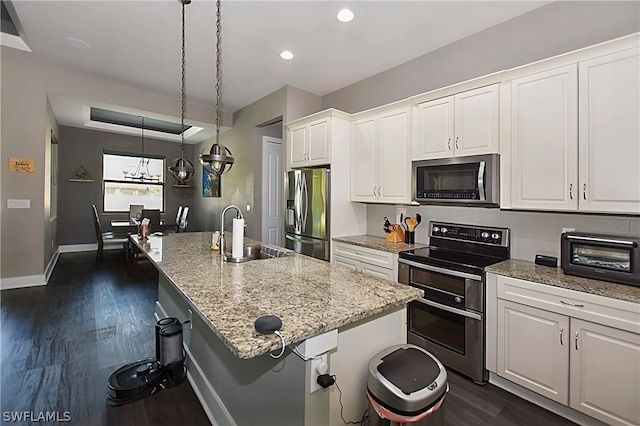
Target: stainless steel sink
258, 252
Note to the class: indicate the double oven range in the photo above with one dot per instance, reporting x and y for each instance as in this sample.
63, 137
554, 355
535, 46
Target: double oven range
449, 321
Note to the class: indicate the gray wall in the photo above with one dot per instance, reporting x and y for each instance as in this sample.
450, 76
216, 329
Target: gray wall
27, 121
544, 32
244, 140
76, 146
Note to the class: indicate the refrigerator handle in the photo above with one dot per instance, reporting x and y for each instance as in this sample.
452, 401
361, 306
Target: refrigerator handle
305, 198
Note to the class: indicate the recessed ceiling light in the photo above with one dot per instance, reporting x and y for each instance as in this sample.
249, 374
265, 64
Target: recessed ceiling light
285, 54
345, 15
77, 43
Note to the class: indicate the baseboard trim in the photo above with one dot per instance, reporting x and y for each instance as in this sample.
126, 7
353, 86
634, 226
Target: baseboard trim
26, 281
23, 281
74, 248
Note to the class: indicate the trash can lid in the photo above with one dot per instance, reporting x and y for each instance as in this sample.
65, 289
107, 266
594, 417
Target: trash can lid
406, 378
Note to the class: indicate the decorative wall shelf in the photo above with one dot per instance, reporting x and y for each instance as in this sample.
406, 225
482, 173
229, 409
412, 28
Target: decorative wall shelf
81, 175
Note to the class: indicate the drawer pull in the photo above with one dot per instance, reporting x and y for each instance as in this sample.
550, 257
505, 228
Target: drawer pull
561, 331
575, 305
358, 253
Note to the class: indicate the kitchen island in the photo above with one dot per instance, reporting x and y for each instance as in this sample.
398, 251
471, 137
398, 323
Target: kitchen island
331, 314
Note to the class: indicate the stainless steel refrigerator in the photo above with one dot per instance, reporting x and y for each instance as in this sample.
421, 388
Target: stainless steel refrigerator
306, 219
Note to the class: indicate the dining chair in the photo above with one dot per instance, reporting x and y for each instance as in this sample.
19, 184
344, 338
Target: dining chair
135, 211
178, 216
182, 225
154, 219
107, 238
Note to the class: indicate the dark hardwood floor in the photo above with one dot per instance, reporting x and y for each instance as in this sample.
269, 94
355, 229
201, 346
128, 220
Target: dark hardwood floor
60, 342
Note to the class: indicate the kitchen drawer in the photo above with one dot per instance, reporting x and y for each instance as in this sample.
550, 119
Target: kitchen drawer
599, 309
380, 258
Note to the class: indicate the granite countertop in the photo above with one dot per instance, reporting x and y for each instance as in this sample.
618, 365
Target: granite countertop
378, 243
527, 270
309, 295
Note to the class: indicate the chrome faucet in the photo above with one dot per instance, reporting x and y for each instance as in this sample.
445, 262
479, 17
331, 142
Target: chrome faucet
221, 240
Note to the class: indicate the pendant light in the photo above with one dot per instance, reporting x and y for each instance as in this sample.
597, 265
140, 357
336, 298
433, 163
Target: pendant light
219, 156
182, 169
142, 173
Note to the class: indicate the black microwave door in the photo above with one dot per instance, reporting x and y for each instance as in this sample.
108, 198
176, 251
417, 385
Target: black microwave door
451, 181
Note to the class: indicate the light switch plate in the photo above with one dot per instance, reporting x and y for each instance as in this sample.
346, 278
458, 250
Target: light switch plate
18, 204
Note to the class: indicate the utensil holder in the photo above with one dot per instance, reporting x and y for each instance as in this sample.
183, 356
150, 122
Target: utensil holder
410, 237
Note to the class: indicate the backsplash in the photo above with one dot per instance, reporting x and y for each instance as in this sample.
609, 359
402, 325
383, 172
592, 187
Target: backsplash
531, 232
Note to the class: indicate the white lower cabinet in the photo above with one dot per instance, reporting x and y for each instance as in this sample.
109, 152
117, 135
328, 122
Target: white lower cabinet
533, 349
577, 349
605, 373
379, 263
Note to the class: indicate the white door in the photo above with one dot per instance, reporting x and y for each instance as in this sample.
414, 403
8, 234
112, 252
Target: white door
476, 121
544, 140
272, 182
395, 173
609, 135
434, 129
364, 166
533, 349
605, 373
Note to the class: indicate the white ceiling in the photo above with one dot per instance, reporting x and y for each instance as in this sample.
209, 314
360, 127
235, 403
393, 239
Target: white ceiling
138, 42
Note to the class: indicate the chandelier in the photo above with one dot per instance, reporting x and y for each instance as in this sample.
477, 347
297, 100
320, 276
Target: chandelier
181, 169
142, 174
219, 156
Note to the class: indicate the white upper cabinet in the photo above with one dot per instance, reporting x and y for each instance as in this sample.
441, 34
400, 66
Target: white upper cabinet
570, 132
462, 124
380, 163
311, 139
609, 133
309, 144
544, 140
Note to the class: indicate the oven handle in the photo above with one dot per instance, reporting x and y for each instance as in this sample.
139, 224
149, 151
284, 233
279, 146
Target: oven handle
600, 240
456, 311
440, 270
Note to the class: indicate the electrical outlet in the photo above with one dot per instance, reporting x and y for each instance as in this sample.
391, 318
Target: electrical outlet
319, 365
568, 230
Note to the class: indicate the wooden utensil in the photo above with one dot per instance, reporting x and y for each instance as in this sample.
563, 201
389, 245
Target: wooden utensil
411, 222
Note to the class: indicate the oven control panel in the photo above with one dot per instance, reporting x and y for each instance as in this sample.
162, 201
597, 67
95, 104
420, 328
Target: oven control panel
470, 233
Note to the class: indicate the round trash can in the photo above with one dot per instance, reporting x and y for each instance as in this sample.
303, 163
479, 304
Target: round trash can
406, 385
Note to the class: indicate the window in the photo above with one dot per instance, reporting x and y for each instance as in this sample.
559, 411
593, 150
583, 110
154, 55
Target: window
129, 179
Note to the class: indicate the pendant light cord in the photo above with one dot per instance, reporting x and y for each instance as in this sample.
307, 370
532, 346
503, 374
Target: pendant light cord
218, 72
184, 96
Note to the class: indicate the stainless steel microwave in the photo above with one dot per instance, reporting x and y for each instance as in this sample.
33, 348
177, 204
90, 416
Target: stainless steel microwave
472, 180
601, 257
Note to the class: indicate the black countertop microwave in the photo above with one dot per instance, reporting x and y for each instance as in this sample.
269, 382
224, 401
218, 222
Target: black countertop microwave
472, 181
